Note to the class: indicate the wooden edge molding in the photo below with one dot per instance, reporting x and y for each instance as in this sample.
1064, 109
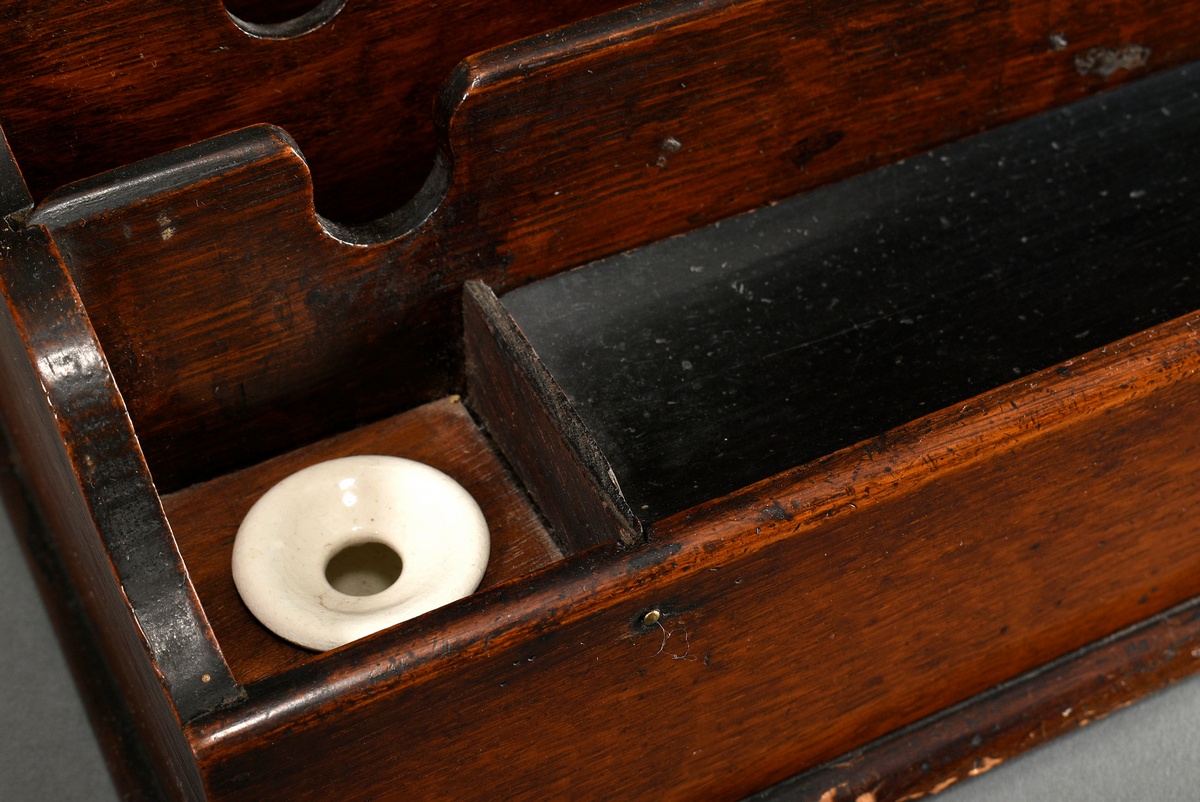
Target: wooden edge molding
984, 732
82, 460
143, 181
539, 430
967, 566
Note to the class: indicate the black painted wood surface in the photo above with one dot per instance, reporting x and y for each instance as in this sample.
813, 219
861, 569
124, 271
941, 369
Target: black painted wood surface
712, 360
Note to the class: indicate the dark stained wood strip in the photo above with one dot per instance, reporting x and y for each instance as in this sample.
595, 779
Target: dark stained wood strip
800, 618
984, 732
206, 517
14, 195
84, 470
538, 430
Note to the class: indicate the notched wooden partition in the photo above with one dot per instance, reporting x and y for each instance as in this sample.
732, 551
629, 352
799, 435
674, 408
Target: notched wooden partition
355, 87
240, 324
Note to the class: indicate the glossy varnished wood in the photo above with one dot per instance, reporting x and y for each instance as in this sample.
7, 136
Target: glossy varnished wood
237, 321
205, 519
94, 86
800, 618
124, 747
64, 416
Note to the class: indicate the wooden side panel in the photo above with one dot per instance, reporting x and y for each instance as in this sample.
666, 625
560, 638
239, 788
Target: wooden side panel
86, 473
799, 619
538, 430
127, 756
980, 735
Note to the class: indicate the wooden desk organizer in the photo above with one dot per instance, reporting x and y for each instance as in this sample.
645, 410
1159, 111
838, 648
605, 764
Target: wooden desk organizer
185, 329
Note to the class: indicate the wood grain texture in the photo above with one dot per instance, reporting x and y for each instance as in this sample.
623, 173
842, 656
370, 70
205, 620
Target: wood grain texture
238, 321
83, 467
206, 517
801, 618
240, 325
92, 87
537, 428
976, 737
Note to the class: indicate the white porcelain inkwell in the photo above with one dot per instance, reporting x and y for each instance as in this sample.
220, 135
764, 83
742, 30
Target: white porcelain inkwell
351, 546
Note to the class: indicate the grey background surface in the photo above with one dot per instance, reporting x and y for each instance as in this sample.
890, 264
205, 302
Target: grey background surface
48, 752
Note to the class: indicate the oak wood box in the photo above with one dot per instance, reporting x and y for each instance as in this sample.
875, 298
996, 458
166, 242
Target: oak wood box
193, 310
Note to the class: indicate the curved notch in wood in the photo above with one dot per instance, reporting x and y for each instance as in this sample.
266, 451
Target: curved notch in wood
239, 324
285, 26
129, 80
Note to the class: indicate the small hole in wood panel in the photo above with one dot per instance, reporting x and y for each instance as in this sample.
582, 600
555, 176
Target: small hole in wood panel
281, 19
364, 569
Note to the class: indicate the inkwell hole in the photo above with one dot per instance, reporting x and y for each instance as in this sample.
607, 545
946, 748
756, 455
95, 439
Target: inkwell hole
281, 19
363, 569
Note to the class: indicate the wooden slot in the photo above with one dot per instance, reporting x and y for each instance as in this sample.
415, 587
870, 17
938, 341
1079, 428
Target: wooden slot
801, 618
205, 519
707, 362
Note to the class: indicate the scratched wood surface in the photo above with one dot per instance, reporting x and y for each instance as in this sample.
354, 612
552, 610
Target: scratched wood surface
205, 519
800, 618
239, 323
